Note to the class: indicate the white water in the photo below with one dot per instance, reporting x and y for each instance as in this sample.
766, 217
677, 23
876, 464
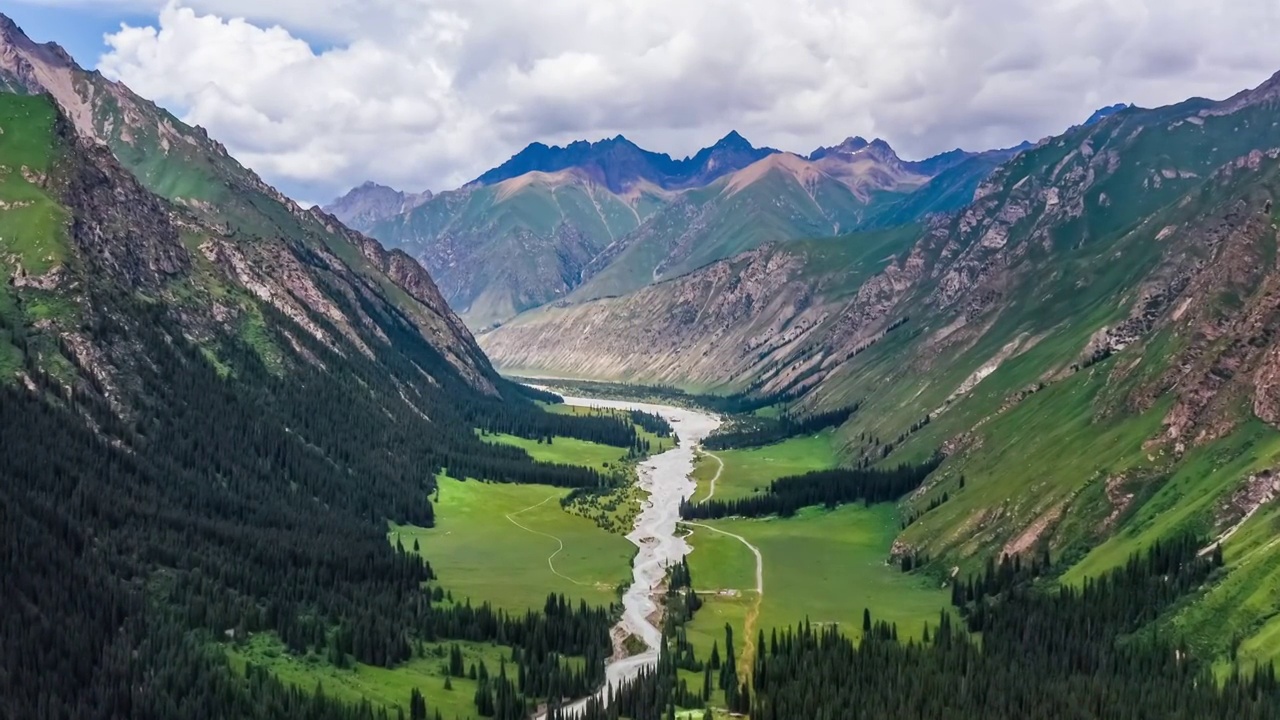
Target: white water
666, 477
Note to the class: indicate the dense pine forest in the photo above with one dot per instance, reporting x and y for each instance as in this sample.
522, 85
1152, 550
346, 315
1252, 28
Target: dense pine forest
750, 431
827, 488
207, 501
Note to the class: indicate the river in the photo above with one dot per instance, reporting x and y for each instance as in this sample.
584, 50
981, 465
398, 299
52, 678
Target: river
667, 479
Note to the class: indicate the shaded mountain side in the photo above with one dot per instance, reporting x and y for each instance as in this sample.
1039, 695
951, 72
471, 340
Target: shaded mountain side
1091, 339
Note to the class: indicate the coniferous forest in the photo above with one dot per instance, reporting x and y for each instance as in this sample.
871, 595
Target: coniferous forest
750, 431
204, 502
1070, 653
827, 488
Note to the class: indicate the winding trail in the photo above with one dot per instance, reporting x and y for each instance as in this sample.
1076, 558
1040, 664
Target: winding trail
712, 491
753, 613
512, 518
754, 550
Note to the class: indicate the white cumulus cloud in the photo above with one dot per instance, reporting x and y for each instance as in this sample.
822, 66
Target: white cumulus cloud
318, 95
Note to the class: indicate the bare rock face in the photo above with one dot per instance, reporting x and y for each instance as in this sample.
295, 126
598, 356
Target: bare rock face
117, 225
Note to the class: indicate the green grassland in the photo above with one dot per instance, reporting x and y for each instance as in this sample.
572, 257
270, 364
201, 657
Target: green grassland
615, 510
32, 223
382, 687
704, 468
822, 566
479, 552
491, 541
827, 566
749, 470
566, 451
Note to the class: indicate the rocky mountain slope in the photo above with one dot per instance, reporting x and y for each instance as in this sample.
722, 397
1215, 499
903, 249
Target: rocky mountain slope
244, 250
1090, 338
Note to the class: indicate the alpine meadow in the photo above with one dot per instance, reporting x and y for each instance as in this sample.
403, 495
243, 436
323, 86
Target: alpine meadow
598, 432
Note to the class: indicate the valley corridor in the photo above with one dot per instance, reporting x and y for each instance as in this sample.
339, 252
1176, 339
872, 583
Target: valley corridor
667, 478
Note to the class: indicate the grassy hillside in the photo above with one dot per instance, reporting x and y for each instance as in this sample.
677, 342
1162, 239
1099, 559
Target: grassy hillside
32, 223
498, 250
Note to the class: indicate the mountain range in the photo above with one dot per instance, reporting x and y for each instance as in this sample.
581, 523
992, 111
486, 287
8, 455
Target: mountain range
597, 219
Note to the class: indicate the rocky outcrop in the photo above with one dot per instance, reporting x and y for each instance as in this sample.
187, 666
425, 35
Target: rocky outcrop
118, 227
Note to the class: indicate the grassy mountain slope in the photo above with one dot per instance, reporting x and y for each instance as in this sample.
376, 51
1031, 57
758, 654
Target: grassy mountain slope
498, 250
781, 197
1091, 339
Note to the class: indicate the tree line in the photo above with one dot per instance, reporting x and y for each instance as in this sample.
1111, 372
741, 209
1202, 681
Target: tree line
828, 488
753, 431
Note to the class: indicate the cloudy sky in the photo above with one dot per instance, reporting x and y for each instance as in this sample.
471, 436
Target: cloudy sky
318, 95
